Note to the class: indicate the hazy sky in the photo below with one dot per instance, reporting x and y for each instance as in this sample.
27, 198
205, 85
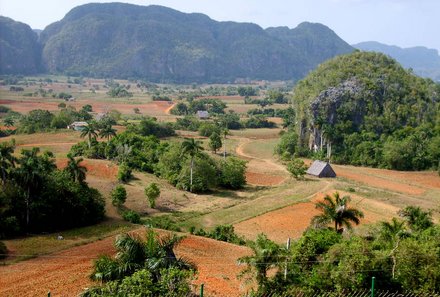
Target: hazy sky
404, 23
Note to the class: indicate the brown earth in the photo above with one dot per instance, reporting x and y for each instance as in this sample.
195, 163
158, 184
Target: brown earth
260, 179
67, 273
98, 168
293, 220
149, 108
376, 181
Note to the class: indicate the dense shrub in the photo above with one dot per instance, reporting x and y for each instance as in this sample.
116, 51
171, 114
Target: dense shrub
124, 173
131, 216
118, 195
233, 173
3, 250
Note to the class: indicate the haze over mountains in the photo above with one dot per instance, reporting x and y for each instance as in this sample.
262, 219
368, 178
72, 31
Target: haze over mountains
160, 44
424, 61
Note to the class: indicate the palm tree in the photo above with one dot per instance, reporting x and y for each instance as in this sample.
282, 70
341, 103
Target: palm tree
335, 210
225, 132
192, 148
75, 169
154, 253
107, 132
9, 122
391, 234
30, 174
266, 255
91, 132
7, 159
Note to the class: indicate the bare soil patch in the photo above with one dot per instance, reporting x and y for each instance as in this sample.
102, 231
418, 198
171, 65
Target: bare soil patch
67, 273
379, 182
260, 179
98, 168
293, 220
148, 108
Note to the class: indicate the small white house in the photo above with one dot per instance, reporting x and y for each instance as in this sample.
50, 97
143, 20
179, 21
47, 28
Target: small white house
202, 114
77, 126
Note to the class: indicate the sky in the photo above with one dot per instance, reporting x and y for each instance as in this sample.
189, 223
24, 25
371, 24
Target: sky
404, 23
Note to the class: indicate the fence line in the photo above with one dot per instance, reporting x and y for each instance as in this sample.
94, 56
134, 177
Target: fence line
356, 293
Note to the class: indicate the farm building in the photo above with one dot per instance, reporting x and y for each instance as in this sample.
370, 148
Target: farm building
321, 169
202, 114
77, 126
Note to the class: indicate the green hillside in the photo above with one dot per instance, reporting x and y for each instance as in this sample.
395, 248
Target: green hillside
365, 109
162, 44
19, 48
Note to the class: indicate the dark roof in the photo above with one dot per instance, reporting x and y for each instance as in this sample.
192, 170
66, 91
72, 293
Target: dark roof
321, 169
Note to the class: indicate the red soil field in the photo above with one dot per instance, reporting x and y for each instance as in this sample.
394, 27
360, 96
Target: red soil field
293, 220
260, 179
67, 273
378, 182
98, 168
150, 108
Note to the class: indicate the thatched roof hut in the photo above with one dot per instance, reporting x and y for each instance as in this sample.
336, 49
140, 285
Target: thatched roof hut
321, 169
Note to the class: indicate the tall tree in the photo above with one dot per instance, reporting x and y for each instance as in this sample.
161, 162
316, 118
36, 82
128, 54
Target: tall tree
75, 169
31, 173
335, 210
7, 159
266, 255
191, 147
215, 142
154, 253
90, 131
107, 132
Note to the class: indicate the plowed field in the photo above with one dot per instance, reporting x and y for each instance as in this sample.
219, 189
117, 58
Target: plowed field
66, 273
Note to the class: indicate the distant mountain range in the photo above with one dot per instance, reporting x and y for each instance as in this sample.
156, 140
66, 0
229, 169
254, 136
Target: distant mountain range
160, 44
164, 45
425, 62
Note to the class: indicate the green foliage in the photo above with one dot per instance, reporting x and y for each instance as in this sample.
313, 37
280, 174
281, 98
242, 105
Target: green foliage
204, 175
187, 123
247, 91
36, 121
37, 197
288, 146
133, 254
297, 168
215, 142
365, 109
416, 218
20, 49
266, 255
118, 195
226, 233
259, 121
150, 126
152, 192
207, 129
335, 210
3, 250
124, 173
233, 173
131, 216
171, 282
119, 92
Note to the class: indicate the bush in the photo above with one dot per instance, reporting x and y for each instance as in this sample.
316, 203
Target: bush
118, 195
131, 216
152, 192
297, 168
233, 173
3, 250
124, 173
207, 129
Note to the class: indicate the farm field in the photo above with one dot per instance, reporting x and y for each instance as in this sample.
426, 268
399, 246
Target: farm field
272, 202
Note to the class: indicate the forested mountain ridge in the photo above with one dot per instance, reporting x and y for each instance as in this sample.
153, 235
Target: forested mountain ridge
164, 45
424, 61
365, 109
20, 52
